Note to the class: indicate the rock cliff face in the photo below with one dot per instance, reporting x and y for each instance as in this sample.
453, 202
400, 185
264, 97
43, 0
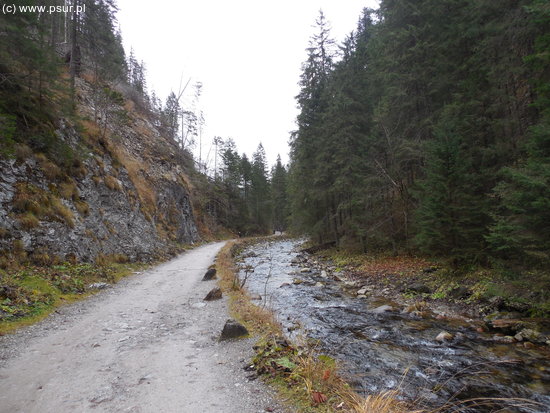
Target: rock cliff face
126, 196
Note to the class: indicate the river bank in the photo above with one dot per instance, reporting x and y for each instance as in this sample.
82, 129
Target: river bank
396, 336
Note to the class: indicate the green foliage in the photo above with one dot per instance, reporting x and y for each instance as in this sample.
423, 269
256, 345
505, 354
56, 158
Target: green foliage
7, 133
35, 291
279, 197
450, 217
522, 223
244, 199
404, 138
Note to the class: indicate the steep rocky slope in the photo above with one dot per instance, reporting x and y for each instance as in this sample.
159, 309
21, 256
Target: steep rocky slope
124, 195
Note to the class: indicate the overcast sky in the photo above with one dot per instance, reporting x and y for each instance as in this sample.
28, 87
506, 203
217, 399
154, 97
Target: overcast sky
247, 54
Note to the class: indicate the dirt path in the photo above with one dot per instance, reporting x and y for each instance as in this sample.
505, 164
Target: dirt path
149, 344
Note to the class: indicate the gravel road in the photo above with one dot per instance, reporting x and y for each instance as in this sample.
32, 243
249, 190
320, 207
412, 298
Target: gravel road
148, 344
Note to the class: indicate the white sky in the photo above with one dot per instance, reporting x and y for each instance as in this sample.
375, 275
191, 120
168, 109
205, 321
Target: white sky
247, 54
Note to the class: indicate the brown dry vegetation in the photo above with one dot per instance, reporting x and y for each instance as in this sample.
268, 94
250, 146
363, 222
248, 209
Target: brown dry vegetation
82, 207
112, 183
258, 320
137, 171
28, 221
92, 132
31, 200
22, 152
68, 190
51, 171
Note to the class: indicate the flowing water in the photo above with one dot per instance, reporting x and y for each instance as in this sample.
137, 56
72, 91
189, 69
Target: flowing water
382, 348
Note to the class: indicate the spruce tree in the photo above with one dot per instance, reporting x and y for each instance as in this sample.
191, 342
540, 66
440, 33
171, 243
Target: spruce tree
451, 212
279, 197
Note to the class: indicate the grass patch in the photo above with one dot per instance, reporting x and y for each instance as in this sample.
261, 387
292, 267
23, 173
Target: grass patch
112, 183
68, 190
29, 294
28, 221
34, 203
22, 152
51, 170
82, 207
378, 265
60, 211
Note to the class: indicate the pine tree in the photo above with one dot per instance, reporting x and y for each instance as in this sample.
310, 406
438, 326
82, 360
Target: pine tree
259, 198
169, 119
279, 197
309, 209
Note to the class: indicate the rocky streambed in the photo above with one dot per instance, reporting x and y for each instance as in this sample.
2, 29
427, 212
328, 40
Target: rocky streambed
432, 356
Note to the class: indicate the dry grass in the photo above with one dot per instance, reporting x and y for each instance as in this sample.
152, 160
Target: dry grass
82, 207
43, 258
22, 152
92, 132
386, 402
51, 171
112, 183
109, 259
138, 175
91, 234
17, 254
4, 233
26, 201
4, 262
68, 190
28, 221
62, 212
78, 169
258, 320
35, 204
110, 227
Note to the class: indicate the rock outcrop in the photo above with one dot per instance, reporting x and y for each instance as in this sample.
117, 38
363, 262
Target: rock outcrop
127, 195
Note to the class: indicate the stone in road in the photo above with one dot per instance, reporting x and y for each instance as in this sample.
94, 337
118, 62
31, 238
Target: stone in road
149, 344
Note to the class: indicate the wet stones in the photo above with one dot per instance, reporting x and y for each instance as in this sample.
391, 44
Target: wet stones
214, 294
514, 330
210, 274
386, 308
499, 338
233, 330
98, 286
363, 290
